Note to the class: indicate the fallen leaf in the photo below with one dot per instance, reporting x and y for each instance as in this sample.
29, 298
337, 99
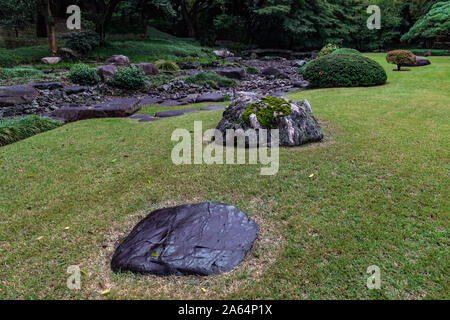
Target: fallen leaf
106, 292
114, 160
83, 272
149, 182
204, 290
154, 254
30, 176
66, 228
311, 175
39, 238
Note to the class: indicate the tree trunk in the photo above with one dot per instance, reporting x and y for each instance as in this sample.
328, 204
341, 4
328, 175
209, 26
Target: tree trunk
187, 19
45, 8
399, 66
104, 15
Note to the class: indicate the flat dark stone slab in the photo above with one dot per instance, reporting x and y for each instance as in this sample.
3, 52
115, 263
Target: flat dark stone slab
147, 101
144, 118
170, 103
419, 63
212, 107
17, 95
174, 113
117, 108
199, 239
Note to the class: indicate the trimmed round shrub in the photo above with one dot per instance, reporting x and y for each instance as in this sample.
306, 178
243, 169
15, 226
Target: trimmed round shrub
252, 70
347, 51
83, 41
130, 78
167, 65
81, 73
344, 70
328, 49
267, 111
401, 57
303, 68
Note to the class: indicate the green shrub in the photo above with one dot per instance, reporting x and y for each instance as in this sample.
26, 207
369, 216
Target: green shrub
252, 70
265, 110
344, 70
303, 68
213, 79
12, 130
82, 42
400, 57
347, 51
130, 78
328, 49
19, 72
167, 65
81, 73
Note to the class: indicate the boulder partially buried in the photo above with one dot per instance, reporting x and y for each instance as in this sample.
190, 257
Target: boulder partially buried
199, 239
117, 108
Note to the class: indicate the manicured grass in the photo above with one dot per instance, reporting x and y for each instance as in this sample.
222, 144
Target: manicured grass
379, 196
151, 110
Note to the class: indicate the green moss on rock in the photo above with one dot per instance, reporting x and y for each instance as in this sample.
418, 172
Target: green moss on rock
267, 110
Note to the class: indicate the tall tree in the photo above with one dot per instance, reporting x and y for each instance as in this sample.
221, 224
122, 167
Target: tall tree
45, 8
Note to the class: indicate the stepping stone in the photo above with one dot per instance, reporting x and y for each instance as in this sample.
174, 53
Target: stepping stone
199, 239
212, 107
117, 108
174, 113
144, 118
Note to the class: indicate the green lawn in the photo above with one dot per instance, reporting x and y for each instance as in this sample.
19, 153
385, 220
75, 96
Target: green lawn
379, 196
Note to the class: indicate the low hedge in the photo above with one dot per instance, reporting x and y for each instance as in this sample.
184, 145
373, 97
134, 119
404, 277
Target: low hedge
12, 130
344, 70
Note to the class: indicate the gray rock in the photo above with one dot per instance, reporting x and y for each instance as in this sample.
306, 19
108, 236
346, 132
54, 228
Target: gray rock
233, 73
118, 60
107, 71
75, 89
298, 128
120, 107
17, 95
298, 63
201, 239
210, 97
274, 72
223, 53
148, 68
51, 60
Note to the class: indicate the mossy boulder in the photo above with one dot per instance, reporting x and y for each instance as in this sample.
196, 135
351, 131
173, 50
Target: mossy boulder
267, 110
252, 112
